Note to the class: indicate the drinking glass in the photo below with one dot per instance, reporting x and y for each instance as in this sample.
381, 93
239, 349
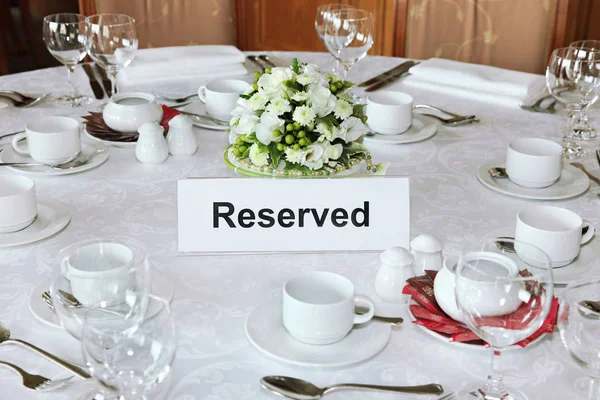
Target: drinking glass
589, 132
64, 36
131, 358
503, 300
348, 35
579, 329
573, 78
111, 41
323, 15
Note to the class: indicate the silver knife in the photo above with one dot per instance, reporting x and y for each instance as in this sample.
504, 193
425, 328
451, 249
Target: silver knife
392, 78
389, 72
104, 78
94, 82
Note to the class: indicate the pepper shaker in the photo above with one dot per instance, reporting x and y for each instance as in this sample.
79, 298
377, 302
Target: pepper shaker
181, 138
151, 146
396, 267
427, 250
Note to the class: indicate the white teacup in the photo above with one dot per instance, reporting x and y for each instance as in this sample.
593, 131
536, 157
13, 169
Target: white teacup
318, 307
99, 273
534, 163
50, 140
18, 204
555, 230
221, 96
389, 113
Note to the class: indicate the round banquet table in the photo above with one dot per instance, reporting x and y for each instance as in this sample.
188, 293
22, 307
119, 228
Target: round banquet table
215, 294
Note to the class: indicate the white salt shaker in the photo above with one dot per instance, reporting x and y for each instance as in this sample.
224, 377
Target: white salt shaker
427, 250
151, 146
181, 138
396, 267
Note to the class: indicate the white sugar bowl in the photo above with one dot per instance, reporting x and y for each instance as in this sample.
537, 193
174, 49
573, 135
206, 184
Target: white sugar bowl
396, 267
126, 112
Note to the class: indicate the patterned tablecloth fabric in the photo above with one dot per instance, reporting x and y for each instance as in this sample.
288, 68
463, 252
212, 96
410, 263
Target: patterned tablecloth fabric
213, 295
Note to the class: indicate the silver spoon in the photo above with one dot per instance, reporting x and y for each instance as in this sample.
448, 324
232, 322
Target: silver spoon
176, 99
498, 173
300, 389
81, 159
69, 366
71, 301
509, 246
591, 305
454, 121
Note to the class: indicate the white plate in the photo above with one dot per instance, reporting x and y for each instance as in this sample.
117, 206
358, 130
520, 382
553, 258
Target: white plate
52, 217
572, 182
198, 107
422, 128
584, 264
98, 151
110, 143
265, 330
161, 287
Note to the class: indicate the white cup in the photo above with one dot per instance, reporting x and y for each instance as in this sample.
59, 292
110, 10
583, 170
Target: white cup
318, 307
50, 140
99, 273
221, 96
555, 230
18, 204
533, 163
389, 113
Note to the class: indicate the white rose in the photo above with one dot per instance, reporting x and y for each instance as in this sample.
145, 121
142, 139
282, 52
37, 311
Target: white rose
323, 102
264, 129
272, 84
247, 124
241, 108
351, 129
314, 152
256, 157
233, 134
310, 75
333, 152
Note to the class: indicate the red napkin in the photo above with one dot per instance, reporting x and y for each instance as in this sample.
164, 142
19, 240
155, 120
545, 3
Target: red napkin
168, 114
428, 314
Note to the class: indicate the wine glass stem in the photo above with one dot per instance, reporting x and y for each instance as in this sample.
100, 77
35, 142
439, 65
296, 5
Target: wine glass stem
573, 111
594, 391
113, 81
70, 70
495, 385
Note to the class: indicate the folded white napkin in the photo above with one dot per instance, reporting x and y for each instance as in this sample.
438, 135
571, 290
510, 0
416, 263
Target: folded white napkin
183, 62
475, 82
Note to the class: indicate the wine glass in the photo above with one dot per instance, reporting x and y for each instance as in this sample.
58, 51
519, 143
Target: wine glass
579, 328
323, 15
111, 41
503, 300
64, 36
573, 78
348, 35
131, 358
589, 132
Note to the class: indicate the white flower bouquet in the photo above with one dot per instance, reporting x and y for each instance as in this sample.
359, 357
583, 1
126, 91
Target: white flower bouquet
298, 122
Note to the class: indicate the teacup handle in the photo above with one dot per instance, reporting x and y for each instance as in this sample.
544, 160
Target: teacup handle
364, 302
15, 144
590, 232
202, 93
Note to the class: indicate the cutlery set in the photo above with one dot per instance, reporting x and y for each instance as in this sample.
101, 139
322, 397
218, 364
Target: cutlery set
99, 81
20, 100
388, 76
262, 61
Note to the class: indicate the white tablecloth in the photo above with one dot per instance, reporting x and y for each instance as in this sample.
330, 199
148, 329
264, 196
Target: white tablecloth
215, 294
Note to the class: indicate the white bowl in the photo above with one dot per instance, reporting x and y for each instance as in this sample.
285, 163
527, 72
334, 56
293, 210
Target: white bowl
126, 112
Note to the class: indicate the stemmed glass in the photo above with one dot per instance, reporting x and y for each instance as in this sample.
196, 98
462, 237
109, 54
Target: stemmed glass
573, 78
503, 300
324, 15
588, 131
64, 36
348, 35
111, 41
579, 329
131, 358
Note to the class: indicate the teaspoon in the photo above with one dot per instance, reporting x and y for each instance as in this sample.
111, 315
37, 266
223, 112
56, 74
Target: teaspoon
498, 172
591, 305
294, 388
509, 246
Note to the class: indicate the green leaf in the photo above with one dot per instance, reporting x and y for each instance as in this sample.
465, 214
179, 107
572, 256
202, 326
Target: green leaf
354, 148
251, 138
246, 153
296, 167
329, 120
295, 66
358, 109
246, 96
275, 153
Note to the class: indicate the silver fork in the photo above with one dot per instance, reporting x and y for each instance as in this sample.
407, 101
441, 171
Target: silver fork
37, 382
26, 102
537, 106
449, 396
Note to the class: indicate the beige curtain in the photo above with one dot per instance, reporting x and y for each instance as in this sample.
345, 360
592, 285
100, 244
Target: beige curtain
513, 34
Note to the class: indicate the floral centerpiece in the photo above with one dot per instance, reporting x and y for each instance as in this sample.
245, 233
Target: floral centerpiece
298, 122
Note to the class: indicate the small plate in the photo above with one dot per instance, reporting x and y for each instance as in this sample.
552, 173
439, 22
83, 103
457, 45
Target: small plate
572, 182
583, 265
110, 143
422, 128
97, 149
265, 330
198, 107
161, 287
51, 218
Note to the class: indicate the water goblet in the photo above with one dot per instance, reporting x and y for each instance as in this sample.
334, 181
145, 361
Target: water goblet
588, 131
573, 78
323, 15
127, 356
111, 41
503, 300
64, 36
579, 328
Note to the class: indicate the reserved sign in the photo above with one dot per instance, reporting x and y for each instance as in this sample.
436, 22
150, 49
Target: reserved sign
276, 215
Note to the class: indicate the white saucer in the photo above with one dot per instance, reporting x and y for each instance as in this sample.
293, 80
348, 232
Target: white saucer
265, 330
422, 128
198, 107
572, 182
51, 218
583, 265
97, 149
161, 287
109, 143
